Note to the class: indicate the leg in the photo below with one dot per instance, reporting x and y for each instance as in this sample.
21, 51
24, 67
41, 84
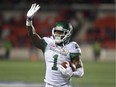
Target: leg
67, 85
49, 85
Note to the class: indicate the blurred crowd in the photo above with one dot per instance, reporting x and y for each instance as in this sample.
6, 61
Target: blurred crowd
14, 2
13, 29
103, 30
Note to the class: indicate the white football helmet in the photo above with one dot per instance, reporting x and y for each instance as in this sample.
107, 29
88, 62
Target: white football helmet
62, 32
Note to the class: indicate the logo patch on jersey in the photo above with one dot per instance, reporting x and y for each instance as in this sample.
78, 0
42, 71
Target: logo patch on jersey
52, 46
64, 51
59, 50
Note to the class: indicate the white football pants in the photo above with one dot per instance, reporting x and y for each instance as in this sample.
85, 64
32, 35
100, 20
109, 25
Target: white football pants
49, 85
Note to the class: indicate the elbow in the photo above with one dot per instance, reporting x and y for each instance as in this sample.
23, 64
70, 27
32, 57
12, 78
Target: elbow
81, 75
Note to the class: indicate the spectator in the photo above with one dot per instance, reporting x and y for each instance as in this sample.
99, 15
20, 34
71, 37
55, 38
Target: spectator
7, 46
96, 50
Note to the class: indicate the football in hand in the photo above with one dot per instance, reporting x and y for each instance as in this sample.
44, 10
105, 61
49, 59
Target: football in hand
72, 65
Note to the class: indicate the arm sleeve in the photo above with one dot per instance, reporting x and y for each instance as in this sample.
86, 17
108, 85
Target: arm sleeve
35, 38
79, 72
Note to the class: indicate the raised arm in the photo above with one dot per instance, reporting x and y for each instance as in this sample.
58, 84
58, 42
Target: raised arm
36, 39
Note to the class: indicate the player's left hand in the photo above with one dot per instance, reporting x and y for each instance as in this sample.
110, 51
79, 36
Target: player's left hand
66, 71
34, 8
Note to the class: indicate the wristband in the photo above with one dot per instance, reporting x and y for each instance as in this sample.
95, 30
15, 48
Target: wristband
28, 22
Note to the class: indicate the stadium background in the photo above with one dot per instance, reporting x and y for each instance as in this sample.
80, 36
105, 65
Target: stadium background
22, 65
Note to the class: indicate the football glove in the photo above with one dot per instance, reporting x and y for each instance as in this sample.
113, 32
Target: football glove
34, 8
66, 71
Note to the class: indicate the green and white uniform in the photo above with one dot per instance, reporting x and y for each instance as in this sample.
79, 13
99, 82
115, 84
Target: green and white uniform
54, 56
55, 53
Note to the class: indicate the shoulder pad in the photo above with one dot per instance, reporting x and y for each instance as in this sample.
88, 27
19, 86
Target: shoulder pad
74, 47
48, 39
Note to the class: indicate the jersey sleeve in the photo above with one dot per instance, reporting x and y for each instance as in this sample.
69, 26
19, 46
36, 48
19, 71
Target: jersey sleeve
46, 41
74, 50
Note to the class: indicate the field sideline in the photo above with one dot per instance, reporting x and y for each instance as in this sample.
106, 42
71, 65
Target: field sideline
97, 74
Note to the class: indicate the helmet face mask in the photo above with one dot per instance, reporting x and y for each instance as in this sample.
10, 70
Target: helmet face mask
62, 32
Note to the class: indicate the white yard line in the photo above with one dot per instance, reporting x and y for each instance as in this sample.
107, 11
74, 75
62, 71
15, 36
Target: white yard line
20, 84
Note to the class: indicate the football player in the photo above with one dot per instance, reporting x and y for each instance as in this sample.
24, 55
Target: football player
57, 49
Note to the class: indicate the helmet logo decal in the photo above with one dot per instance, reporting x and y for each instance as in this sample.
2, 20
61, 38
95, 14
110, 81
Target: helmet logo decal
59, 27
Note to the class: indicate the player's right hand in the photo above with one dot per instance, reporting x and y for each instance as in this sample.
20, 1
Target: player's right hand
66, 71
34, 8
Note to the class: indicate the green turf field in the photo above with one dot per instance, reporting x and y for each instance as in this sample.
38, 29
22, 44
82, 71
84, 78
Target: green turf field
97, 74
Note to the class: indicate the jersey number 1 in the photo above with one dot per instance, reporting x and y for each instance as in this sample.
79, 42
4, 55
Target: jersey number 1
54, 67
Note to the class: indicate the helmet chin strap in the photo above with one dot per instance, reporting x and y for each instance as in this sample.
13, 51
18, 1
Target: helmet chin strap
62, 43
